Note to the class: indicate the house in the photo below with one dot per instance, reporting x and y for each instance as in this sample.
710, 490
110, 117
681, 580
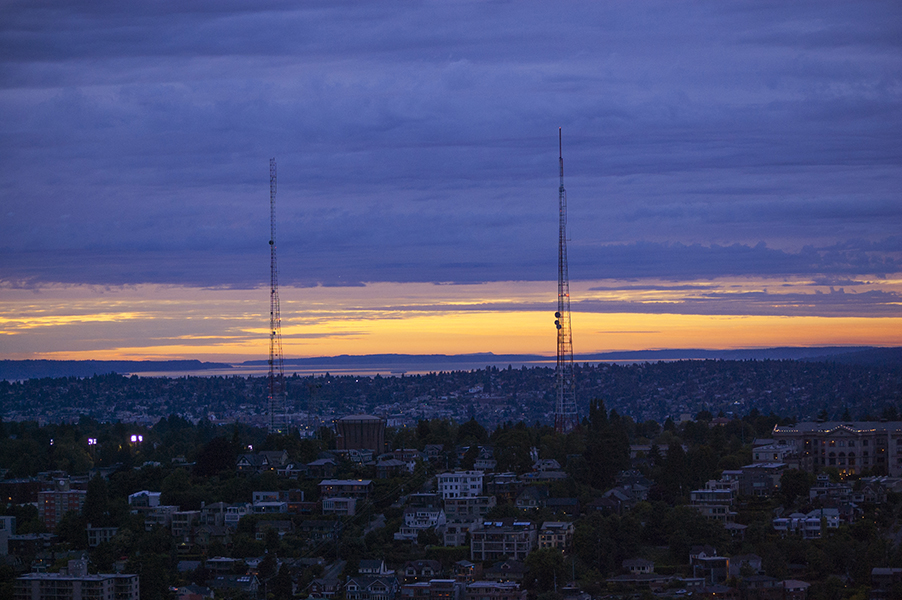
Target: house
638, 566
546, 464
159, 516
706, 564
294, 471
532, 498
183, 522
456, 531
319, 531
417, 519
494, 590
261, 462
407, 454
248, 584
204, 535
270, 507
213, 514
464, 570
506, 570
391, 467
99, 535
421, 570
234, 513
223, 565
325, 588
793, 589
469, 507
434, 589
717, 592
345, 507
346, 488
761, 587
715, 501
369, 587
29, 544
322, 468
883, 581
556, 534
194, 592
504, 486
434, 452
773, 453
280, 527
144, 500
567, 506
373, 567
745, 564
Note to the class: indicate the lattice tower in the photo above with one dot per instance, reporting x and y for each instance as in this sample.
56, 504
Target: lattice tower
276, 406
565, 418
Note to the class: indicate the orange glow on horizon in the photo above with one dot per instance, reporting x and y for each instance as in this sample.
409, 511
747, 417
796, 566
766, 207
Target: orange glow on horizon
164, 322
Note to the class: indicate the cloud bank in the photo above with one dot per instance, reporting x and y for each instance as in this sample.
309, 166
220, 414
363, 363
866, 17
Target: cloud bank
417, 142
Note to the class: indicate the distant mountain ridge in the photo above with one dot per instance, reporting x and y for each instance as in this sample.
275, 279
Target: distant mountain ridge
36, 369
844, 354
864, 355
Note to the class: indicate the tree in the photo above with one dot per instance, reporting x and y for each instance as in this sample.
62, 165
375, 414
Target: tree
795, 484
543, 567
281, 586
217, 455
471, 432
96, 509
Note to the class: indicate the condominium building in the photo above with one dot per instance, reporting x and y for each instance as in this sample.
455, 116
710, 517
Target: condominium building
460, 484
493, 540
74, 583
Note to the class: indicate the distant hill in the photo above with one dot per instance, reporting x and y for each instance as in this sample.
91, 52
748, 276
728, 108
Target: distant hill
843, 354
867, 356
36, 369
828, 353
860, 355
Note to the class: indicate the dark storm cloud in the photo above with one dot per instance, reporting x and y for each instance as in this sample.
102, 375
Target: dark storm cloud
417, 141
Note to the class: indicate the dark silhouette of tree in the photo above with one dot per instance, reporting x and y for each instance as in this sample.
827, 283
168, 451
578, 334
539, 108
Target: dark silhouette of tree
217, 455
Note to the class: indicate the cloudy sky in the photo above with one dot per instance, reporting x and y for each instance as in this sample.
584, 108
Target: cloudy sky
733, 172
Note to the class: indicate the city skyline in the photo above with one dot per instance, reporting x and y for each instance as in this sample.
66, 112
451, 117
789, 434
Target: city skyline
732, 174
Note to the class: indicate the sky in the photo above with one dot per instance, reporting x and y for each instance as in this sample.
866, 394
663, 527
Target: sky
733, 173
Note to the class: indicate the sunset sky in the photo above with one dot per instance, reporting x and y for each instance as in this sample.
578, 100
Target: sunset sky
733, 172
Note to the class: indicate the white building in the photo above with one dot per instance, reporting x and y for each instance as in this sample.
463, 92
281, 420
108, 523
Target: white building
460, 484
421, 518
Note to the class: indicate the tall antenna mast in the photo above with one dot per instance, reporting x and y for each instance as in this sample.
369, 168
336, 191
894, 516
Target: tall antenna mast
276, 407
565, 418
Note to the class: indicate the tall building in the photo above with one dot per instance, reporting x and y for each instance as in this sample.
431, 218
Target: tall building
54, 503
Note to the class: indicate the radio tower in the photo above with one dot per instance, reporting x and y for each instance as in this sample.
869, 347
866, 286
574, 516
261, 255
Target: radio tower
565, 408
276, 407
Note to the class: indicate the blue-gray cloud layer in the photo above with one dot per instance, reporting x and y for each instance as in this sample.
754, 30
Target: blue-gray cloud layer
418, 141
